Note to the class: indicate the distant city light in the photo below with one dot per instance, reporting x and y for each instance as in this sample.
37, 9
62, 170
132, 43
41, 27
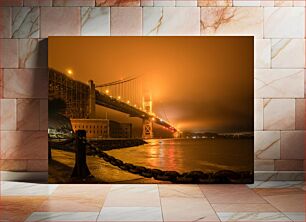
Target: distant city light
153, 118
128, 102
119, 97
107, 91
135, 105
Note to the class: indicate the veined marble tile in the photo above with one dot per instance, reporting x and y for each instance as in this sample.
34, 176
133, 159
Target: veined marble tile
73, 2
267, 3
304, 83
118, 3
267, 145
288, 53
295, 216
300, 114
18, 208
186, 3
23, 144
51, 17
8, 114
289, 165
28, 114
279, 83
126, 20
43, 114
37, 165
5, 22
163, 3
13, 165
261, 165
284, 22
63, 216
279, 175
171, 21
262, 207
276, 184
25, 23
253, 216
220, 3
9, 188
8, 53
279, 192
258, 114
130, 214
279, 114
1, 84
232, 21
71, 204
187, 209
25, 83
146, 2
95, 21
37, 2
278, 3
299, 3
93, 191
230, 193
263, 53
246, 3
5, 3
292, 145
286, 200
33, 53
183, 191
133, 196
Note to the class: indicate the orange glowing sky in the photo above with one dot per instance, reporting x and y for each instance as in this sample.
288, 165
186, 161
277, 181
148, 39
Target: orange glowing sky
201, 83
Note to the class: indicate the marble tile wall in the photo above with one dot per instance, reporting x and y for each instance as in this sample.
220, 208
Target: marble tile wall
278, 27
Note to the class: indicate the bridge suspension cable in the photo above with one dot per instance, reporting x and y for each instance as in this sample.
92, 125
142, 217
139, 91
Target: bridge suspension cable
128, 90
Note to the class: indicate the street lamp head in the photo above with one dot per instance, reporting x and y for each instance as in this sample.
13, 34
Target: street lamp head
69, 72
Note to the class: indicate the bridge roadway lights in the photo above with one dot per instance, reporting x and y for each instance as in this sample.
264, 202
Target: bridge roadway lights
80, 169
147, 129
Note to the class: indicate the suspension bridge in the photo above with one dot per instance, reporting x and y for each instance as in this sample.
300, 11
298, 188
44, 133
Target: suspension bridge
125, 95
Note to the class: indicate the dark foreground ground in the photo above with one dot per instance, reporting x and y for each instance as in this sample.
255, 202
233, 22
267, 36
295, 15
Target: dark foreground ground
62, 163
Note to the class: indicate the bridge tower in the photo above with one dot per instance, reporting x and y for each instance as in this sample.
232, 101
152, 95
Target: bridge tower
92, 99
147, 124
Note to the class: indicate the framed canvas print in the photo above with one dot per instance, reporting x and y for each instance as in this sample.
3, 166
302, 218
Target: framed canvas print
168, 109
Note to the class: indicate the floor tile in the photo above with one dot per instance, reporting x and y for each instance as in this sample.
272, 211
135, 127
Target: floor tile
262, 207
133, 196
130, 214
187, 209
277, 184
220, 193
71, 204
296, 216
18, 208
284, 199
63, 216
96, 191
274, 216
174, 190
9, 188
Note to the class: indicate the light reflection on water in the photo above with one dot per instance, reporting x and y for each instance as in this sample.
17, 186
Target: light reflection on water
190, 154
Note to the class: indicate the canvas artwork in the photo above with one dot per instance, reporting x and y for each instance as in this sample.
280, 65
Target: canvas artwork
167, 109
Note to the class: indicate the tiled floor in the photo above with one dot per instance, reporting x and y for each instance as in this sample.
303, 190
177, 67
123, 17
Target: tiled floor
262, 201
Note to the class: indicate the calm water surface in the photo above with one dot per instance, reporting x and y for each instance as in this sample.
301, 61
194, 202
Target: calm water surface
190, 154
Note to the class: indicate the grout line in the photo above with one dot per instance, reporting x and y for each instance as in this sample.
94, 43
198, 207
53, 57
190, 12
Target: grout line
161, 208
